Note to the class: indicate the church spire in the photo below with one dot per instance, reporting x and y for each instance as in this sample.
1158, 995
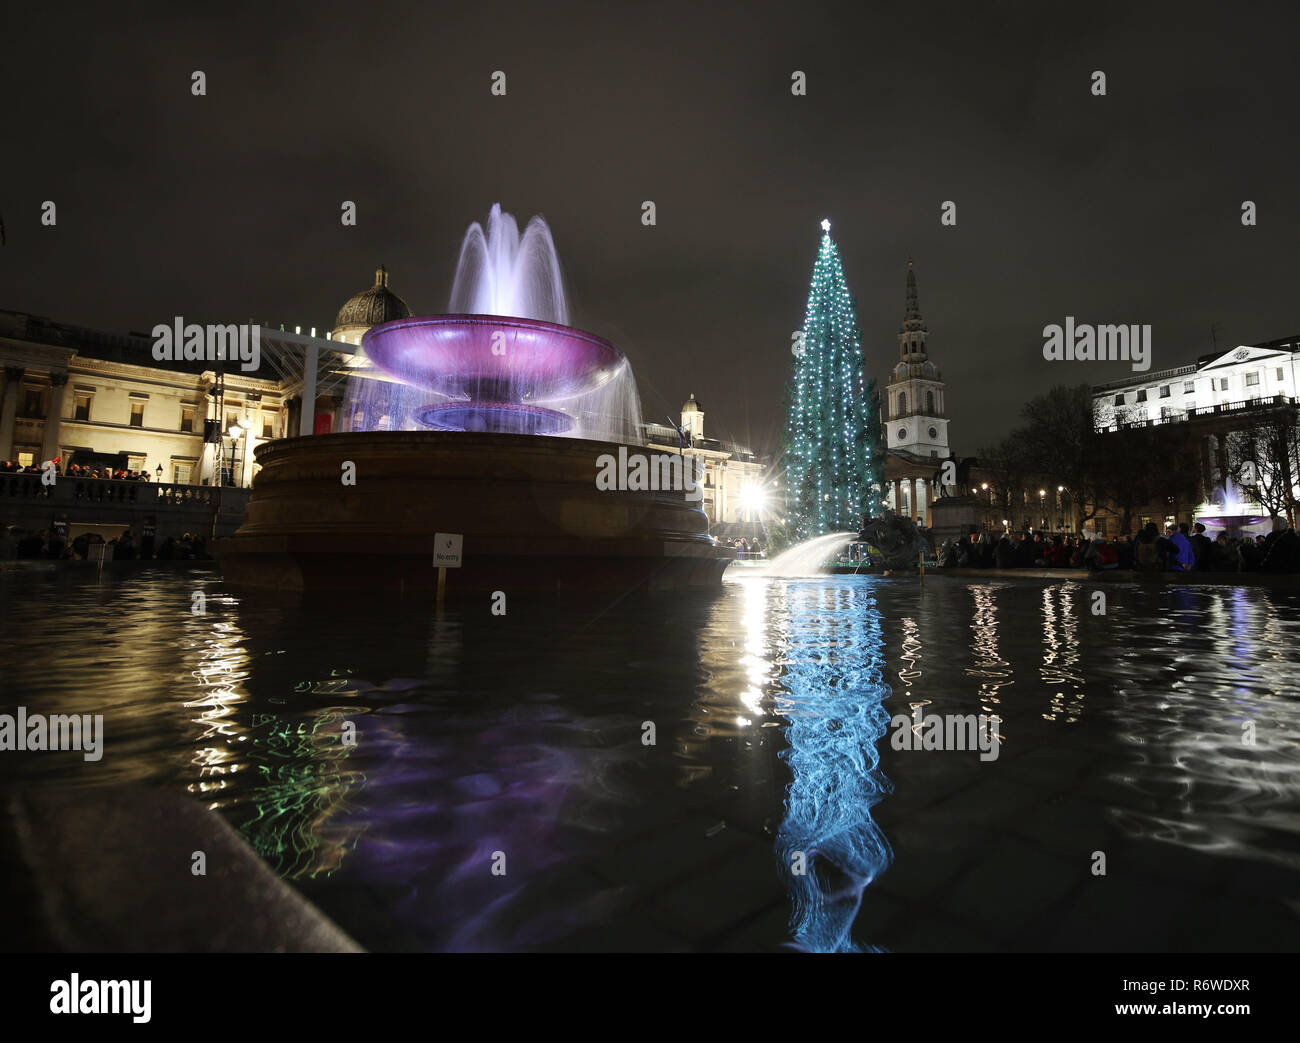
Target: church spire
911, 335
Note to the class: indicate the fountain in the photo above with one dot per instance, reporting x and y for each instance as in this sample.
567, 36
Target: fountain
808, 558
504, 359
1233, 517
489, 422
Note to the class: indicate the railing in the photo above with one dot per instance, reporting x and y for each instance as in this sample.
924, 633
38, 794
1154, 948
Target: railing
148, 495
25, 486
1222, 409
1148, 378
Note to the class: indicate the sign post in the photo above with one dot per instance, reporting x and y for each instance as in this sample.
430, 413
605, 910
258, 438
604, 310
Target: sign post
446, 555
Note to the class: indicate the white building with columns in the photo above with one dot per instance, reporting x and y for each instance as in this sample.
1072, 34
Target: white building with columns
736, 480
1215, 382
1217, 395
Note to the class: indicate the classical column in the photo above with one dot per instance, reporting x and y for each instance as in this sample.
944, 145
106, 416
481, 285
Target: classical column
307, 422
898, 496
9, 410
916, 498
54, 415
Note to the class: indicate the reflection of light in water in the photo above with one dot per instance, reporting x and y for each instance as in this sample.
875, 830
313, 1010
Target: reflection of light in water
298, 791
303, 793
1059, 668
758, 671
221, 671
1201, 786
994, 671
832, 693
910, 653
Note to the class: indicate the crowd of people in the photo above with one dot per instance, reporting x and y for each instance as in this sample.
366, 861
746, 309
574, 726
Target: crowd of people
51, 545
750, 549
1180, 548
80, 471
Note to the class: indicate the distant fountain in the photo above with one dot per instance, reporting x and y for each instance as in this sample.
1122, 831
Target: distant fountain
505, 360
1235, 516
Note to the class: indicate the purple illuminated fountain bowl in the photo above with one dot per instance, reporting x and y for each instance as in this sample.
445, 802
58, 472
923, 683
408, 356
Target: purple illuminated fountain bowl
492, 358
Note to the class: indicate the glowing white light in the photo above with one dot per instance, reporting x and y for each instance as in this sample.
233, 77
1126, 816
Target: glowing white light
753, 498
826, 224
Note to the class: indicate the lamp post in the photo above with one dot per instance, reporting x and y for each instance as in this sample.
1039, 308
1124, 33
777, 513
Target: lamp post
1060, 508
1042, 507
235, 432
159, 472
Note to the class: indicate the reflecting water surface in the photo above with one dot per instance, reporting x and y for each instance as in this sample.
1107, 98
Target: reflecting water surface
707, 772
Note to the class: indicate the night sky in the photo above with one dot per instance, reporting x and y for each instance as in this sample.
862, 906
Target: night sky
1122, 209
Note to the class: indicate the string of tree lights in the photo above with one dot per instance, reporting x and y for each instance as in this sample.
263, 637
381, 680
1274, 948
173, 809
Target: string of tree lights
833, 446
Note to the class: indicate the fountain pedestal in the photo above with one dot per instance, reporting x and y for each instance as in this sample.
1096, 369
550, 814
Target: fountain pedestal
527, 505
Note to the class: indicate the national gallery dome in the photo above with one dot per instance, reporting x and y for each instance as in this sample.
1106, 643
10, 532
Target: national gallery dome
369, 308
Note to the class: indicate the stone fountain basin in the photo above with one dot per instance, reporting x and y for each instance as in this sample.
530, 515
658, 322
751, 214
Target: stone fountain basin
492, 358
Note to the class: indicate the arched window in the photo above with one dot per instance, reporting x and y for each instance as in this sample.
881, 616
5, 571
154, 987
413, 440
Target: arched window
929, 402
902, 403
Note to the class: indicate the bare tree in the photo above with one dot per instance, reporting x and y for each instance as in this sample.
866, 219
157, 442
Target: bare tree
1062, 444
1264, 456
1005, 465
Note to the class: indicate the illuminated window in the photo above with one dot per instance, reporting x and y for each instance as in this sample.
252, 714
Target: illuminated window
181, 472
137, 414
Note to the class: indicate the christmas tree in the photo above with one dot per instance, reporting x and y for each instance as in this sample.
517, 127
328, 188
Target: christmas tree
833, 442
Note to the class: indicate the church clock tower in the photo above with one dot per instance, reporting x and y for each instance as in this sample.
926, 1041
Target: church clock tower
914, 411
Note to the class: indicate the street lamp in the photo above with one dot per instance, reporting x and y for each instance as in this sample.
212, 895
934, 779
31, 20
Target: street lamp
159, 472
235, 432
1042, 508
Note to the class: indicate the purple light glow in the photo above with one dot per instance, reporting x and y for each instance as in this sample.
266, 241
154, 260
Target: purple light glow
504, 359
492, 358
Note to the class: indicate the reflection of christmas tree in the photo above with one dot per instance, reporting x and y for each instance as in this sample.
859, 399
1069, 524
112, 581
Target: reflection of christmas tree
832, 441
